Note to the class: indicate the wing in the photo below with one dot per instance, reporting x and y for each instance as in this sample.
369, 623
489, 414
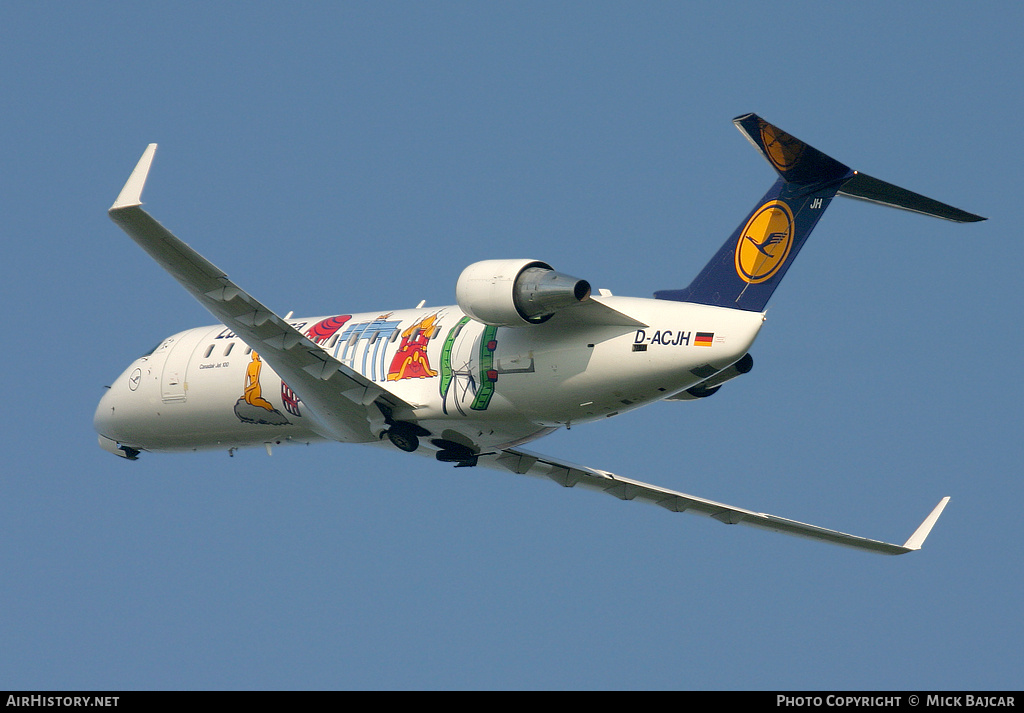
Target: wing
570, 475
348, 405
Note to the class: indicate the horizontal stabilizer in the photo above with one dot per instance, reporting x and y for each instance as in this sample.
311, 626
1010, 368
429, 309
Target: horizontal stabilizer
866, 188
794, 160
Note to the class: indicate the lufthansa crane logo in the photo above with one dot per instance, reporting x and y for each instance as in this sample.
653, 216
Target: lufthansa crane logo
764, 242
783, 150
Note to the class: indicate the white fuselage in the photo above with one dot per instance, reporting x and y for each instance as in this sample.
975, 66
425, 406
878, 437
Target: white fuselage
485, 387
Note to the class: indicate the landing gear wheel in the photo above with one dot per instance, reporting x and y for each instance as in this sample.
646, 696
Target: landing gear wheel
403, 438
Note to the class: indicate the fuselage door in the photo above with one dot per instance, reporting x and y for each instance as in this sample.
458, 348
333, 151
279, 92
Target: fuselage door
174, 383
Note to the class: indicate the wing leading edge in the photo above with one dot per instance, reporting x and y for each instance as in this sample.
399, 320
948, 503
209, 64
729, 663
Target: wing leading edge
570, 475
343, 401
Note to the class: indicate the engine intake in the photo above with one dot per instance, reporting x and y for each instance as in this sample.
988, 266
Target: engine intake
516, 293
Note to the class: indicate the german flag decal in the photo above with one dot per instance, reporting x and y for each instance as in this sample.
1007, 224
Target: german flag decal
704, 339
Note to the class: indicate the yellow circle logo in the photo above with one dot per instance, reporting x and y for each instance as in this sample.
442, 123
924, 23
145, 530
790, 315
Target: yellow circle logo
783, 150
764, 242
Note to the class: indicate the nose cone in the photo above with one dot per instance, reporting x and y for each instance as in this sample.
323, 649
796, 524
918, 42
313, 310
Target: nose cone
110, 425
103, 420
113, 417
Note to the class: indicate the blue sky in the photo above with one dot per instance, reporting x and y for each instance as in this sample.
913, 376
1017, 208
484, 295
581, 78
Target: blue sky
346, 157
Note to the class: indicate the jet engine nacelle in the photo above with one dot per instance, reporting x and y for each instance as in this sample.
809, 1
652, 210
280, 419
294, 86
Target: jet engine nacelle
707, 388
516, 293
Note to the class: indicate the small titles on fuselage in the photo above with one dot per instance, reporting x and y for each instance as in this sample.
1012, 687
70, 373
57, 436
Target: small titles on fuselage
226, 333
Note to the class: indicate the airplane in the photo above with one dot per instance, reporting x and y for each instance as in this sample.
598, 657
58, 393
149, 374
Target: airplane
525, 351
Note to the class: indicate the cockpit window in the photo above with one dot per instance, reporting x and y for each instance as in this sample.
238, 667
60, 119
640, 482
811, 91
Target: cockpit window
155, 347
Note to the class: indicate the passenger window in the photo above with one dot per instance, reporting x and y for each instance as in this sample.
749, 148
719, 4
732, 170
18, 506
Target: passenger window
231, 346
209, 351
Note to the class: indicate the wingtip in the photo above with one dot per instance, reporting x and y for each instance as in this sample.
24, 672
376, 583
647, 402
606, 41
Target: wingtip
131, 194
918, 538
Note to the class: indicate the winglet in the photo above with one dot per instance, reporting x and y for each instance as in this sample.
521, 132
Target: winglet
131, 194
917, 539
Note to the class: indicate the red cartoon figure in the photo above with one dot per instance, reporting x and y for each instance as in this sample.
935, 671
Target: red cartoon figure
410, 361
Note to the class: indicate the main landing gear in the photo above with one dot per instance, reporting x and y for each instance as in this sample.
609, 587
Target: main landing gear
452, 452
406, 437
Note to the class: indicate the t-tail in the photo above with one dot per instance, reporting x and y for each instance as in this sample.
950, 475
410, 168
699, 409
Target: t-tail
747, 269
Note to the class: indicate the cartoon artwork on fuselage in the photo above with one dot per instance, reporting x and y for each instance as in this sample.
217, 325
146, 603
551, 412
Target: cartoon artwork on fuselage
252, 407
319, 333
373, 336
325, 329
488, 374
410, 361
468, 383
363, 346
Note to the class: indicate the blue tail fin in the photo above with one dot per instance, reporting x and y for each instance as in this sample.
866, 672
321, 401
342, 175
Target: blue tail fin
747, 269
